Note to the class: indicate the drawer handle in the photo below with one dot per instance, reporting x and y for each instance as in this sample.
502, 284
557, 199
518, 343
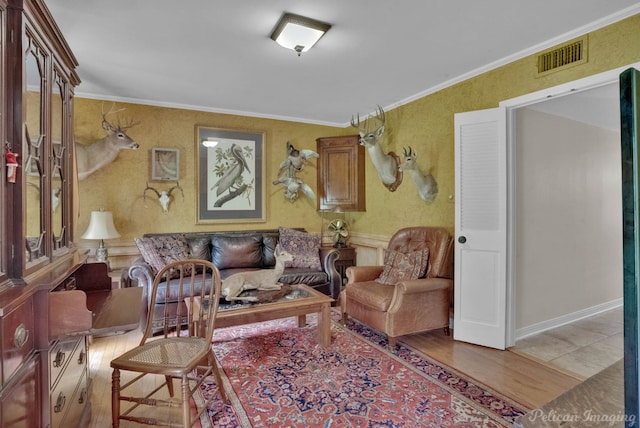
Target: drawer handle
20, 336
62, 400
83, 396
60, 357
81, 357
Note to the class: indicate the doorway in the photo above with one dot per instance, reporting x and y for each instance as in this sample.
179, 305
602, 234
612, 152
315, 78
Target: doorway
568, 209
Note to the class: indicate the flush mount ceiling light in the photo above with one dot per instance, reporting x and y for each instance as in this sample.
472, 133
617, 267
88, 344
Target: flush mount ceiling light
298, 33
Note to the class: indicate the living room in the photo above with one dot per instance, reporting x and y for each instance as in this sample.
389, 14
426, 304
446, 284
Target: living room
426, 123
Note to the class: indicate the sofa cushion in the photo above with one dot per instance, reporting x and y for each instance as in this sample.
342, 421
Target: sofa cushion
400, 266
304, 276
161, 250
304, 247
199, 247
236, 251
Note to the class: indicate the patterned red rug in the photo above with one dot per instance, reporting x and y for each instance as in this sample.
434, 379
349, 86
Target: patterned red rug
277, 376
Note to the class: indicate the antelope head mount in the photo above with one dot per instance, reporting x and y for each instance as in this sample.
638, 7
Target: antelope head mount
95, 156
164, 197
385, 163
426, 184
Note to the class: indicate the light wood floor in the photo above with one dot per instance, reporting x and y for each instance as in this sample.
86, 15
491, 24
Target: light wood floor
527, 381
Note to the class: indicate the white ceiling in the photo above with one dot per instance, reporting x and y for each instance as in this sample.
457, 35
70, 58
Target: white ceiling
214, 55
597, 106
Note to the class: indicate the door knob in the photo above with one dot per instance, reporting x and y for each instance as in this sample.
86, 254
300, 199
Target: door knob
462, 239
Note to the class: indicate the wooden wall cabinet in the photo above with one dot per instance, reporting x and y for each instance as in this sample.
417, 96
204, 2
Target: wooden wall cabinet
341, 174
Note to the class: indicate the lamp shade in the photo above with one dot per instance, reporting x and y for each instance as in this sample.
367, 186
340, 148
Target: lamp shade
101, 226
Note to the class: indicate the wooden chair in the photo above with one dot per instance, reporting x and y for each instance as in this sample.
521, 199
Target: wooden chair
182, 353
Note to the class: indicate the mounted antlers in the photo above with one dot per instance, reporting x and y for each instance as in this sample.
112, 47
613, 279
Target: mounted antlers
163, 197
105, 150
385, 163
427, 186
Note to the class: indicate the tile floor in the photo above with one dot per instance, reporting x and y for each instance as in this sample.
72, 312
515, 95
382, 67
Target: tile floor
582, 348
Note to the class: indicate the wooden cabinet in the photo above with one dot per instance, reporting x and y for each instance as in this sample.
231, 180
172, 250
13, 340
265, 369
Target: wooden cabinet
341, 179
37, 81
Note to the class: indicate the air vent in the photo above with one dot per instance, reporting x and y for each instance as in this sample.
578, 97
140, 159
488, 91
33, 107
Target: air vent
561, 57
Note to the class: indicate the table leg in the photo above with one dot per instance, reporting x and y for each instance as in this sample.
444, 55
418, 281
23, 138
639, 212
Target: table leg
324, 325
302, 320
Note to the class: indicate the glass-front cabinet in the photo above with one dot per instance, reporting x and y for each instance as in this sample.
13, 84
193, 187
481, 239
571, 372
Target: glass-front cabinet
37, 256
46, 148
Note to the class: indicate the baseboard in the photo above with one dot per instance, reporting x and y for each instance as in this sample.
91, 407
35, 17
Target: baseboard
540, 327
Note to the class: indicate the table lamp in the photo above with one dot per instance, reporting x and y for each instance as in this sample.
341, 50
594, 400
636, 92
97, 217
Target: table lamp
101, 227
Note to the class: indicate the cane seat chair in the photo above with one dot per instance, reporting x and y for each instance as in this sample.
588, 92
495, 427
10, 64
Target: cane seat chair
182, 352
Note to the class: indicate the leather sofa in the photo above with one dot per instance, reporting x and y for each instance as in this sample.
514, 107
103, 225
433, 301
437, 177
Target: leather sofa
233, 252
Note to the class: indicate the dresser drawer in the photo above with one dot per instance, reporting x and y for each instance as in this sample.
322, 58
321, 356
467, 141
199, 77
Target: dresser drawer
59, 357
76, 405
20, 400
17, 338
63, 396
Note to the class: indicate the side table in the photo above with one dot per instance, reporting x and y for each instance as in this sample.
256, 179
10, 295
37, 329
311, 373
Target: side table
347, 258
116, 278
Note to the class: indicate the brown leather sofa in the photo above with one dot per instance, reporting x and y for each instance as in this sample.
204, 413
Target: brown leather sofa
410, 306
234, 252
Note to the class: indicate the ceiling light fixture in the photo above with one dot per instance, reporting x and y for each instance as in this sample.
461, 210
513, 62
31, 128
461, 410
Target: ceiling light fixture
298, 33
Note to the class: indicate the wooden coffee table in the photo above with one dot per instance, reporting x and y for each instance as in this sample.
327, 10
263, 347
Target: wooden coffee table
301, 301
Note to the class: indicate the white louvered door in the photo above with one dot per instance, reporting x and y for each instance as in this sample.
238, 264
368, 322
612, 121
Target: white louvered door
481, 228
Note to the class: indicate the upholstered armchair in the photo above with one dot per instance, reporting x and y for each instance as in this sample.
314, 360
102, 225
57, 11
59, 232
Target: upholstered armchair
412, 292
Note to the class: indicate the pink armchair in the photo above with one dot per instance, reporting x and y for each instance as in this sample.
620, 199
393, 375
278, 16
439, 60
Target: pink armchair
410, 306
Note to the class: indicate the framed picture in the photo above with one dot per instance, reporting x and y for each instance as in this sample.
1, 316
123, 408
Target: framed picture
230, 179
165, 164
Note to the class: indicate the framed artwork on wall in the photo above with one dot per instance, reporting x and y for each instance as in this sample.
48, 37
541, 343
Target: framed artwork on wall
230, 185
165, 164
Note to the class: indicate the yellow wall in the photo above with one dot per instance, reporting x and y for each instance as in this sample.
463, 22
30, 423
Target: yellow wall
119, 186
425, 124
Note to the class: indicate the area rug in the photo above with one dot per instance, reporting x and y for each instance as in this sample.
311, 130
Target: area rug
276, 375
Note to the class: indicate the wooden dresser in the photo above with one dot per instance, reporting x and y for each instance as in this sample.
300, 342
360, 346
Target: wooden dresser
46, 381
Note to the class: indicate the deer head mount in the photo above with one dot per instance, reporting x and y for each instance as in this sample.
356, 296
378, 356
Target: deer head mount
294, 163
164, 197
426, 184
385, 163
95, 156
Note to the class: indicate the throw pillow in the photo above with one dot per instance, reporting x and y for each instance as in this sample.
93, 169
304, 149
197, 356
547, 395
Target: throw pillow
303, 246
400, 267
159, 251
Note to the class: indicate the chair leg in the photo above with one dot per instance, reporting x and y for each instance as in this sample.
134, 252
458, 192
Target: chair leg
345, 317
115, 398
186, 395
169, 381
216, 373
392, 342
